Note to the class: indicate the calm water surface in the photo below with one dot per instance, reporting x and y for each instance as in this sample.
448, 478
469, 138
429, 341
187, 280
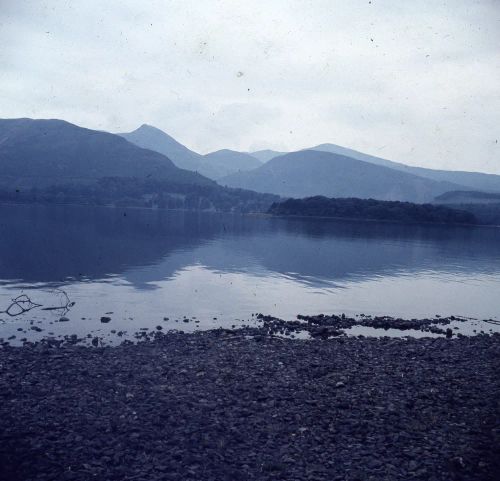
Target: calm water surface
143, 266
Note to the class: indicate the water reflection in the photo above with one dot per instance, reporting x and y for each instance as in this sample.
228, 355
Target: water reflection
144, 264
58, 244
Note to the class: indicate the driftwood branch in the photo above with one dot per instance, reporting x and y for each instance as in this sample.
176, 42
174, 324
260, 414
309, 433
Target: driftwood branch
20, 305
64, 307
23, 303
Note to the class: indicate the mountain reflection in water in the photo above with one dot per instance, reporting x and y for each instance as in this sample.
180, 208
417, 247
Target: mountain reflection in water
146, 265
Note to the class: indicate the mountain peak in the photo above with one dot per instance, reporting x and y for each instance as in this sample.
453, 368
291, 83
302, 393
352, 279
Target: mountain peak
152, 138
150, 128
224, 151
41, 153
266, 154
311, 172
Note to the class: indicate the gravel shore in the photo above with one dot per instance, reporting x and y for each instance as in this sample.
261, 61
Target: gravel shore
239, 405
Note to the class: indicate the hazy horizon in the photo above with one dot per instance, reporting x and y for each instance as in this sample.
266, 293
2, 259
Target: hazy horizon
415, 83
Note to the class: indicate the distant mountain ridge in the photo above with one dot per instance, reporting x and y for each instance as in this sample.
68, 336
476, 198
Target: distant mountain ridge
38, 153
474, 180
266, 155
310, 173
152, 138
468, 197
225, 162
213, 165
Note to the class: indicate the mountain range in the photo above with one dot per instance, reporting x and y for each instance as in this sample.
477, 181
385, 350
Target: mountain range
307, 173
214, 165
41, 153
243, 169
473, 180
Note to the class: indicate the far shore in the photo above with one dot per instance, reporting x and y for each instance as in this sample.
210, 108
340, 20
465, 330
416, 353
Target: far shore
254, 214
360, 219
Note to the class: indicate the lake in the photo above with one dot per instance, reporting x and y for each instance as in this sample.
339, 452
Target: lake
139, 267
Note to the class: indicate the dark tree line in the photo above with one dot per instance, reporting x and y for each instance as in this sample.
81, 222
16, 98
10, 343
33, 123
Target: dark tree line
371, 209
488, 213
135, 192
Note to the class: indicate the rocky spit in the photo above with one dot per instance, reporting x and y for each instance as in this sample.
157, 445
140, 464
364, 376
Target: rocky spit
247, 405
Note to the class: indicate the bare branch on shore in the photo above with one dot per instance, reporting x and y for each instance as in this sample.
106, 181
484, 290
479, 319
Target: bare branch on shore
65, 306
20, 305
23, 303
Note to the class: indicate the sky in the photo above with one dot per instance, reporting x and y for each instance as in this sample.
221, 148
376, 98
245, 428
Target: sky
416, 82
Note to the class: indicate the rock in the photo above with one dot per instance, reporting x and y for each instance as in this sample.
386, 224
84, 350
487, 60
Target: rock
217, 405
105, 319
63, 319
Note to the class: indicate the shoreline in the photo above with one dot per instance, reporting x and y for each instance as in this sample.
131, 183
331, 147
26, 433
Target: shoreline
239, 405
382, 221
263, 215
305, 327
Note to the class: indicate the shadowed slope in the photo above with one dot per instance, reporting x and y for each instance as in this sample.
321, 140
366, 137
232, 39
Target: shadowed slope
308, 173
48, 152
474, 180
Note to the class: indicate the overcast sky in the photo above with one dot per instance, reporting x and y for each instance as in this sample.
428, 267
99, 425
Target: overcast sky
417, 82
